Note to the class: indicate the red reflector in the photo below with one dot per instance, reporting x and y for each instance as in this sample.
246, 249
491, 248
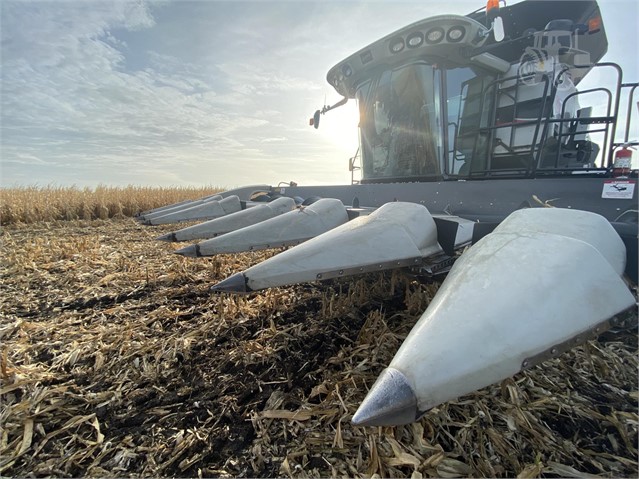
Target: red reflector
492, 4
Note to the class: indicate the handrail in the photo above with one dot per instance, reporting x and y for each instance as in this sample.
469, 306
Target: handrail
631, 94
606, 119
608, 147
542, 123
538, 135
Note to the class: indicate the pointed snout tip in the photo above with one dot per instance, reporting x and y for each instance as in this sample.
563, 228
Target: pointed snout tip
233, 284
192, 251
169, 237
390, 402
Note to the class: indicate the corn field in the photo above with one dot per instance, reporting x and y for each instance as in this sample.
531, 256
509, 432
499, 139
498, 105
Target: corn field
30, 204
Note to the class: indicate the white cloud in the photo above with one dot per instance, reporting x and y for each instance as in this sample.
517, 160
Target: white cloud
186, 92
93, 86
26, 159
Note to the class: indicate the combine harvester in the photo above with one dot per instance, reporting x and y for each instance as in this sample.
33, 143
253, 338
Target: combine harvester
473, 133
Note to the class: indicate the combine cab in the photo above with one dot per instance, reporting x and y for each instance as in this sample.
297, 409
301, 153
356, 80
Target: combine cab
473, 133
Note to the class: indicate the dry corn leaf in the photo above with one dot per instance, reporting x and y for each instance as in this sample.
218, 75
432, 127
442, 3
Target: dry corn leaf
563, 470
531, 470
299, 415
450, 467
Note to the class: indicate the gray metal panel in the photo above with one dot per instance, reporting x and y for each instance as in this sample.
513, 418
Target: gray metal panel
485, 199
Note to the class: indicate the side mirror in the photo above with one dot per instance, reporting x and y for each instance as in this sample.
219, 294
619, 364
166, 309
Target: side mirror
498, 29
316, 117
315, 120
351, 164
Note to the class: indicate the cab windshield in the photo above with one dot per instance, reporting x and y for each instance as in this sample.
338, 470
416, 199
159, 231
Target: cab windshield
420, 121
398, 123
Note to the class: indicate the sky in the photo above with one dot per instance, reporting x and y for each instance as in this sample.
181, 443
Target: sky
198, 93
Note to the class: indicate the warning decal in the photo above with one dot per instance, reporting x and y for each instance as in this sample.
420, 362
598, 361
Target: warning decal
618, 189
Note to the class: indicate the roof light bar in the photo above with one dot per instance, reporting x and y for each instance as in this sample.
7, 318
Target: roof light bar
415, 39
434, 35
456, 34
396, 45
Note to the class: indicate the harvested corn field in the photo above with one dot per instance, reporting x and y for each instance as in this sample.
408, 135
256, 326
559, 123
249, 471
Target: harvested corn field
117, 361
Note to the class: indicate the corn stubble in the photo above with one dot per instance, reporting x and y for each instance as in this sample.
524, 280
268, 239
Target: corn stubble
116, 361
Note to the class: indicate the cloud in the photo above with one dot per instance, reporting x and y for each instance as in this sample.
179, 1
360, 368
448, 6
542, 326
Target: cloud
255, 79
67, 90
99, 87
179, 92
26, 159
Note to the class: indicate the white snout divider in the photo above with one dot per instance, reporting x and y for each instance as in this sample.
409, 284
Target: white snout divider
394, 232
205, 211
289, 228
235, 221
543, 279
179, 206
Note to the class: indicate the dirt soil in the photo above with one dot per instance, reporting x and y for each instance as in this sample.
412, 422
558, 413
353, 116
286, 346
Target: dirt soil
117, 361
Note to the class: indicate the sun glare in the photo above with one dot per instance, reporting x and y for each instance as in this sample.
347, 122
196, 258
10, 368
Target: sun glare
339, 126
